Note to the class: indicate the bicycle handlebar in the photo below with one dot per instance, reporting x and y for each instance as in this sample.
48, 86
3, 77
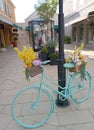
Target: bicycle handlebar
44, 62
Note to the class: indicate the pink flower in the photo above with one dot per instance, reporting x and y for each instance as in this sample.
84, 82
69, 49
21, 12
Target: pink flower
36, 62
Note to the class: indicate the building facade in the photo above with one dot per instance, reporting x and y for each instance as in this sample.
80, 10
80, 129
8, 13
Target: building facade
79, 20
7, 19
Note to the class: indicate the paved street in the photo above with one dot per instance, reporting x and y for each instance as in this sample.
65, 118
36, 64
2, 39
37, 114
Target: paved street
12, 79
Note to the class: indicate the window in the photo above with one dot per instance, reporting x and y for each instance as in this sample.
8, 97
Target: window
15, 30
74, 34
8, 10
1, 5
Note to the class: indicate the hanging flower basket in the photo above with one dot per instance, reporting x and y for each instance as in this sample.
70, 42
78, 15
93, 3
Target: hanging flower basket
30, 60
33, 71
79, 60
75, 69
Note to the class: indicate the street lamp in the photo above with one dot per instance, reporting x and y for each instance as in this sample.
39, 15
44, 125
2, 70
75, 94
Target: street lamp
61, 59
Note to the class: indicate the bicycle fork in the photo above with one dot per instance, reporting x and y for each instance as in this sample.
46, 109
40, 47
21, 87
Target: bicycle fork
35, 104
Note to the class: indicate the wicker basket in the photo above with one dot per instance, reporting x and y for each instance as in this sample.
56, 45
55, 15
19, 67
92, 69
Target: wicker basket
33, 71
75, 69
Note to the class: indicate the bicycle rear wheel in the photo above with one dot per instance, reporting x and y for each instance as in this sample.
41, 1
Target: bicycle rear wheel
22, 107
80, 88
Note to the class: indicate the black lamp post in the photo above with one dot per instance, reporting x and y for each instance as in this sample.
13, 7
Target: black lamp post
61, 59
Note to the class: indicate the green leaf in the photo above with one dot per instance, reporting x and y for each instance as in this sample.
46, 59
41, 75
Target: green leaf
27, 74
46, 9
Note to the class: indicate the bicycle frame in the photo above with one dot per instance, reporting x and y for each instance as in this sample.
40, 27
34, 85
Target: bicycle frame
63, 93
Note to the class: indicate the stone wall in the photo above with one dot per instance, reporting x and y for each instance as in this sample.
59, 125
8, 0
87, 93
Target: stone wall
23, 36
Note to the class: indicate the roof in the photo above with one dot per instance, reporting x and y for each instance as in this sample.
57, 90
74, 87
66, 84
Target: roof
35, 16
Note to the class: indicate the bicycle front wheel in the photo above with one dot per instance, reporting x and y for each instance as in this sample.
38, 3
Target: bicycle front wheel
25, 113
80, 87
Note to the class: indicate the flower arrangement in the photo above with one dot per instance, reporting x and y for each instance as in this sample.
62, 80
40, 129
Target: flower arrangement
29, 58
76, 57
79, 60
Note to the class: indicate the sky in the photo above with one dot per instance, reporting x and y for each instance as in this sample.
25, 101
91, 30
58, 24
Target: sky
23, 9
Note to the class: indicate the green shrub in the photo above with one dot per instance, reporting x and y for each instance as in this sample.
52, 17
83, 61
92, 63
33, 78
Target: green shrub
67, 39
53, 55
51, 44
44, 49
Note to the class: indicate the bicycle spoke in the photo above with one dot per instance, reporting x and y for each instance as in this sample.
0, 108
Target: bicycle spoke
80, 88
25, 115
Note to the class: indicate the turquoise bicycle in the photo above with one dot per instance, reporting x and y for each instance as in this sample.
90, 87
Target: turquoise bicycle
28, 106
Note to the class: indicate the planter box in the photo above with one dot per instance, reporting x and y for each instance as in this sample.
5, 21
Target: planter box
3, 50
43, 56
53, 61
50, 50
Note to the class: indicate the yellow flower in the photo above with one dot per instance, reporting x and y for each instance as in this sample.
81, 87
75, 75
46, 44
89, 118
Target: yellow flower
27, 55
67, 59
76, 51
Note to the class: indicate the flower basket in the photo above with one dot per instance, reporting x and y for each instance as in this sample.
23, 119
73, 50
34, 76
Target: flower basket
75, 69
33, 71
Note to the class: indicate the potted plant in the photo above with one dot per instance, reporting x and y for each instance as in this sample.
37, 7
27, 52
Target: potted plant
51, 45
53, 58
15, 39
3, 48
43, 53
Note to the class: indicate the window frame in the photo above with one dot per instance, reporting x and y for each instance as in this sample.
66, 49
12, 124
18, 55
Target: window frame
1, 5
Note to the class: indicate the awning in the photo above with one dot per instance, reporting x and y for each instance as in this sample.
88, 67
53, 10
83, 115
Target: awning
76, 20
55, 27
27, 28
16, 26
5, 20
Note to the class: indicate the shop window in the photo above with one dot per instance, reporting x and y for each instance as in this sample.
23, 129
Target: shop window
41, 32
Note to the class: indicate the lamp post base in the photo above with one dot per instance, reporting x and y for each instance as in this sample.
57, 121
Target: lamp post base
64, 103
